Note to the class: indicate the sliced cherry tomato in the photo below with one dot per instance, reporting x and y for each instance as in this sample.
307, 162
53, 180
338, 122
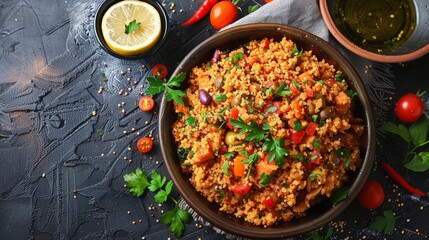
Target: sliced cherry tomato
296, 136
330, 82
241, 189
311, 129
222, 14
146, 103
371, 196
160, 70
269, 202
409, 107
234, 115
144, 144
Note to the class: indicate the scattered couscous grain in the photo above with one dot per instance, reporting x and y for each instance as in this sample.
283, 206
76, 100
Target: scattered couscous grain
302, 108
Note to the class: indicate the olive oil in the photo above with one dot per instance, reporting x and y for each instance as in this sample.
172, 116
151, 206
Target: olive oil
379, 26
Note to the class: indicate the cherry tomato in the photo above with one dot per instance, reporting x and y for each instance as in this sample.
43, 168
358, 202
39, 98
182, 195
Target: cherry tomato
146, 103
160, 70
371, 196
144, 144
409, 107
296, 136
222, 14
269, 202
241, 189
267, 1
311, 129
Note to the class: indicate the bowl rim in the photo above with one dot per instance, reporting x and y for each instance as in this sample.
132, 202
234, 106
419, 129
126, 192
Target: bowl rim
332, 27
245, 231
106, 4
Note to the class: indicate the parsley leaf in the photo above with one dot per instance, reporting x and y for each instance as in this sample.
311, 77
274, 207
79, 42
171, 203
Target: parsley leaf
283, 91
276, 149
251, 159
183, 153
339, 77
255, 134
190, 121
352, 94
237, 57
265, 179
385, 223
316, 144
339, 195
252, 8
418, 131
157, 86
271, 109
132, 26
296, 84
313, 176
162, 195
296, 52
343, 152
399, 130
314, 117
298, 156
297, 125
156, 181
318, 236
137, 182
225, 168
175, 218
419, 163
229, 155
220, 97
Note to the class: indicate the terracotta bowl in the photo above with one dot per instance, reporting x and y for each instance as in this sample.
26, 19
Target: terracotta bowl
102, 8
415, 46
318, 215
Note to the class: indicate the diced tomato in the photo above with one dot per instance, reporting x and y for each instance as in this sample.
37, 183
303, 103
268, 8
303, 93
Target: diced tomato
269, 202
315, 157
309, 92
234, 115
297, 109
296, 136
241, 189
309, 166
330, 82
250, 149
222, 150
311, 129
239, 170
293, 89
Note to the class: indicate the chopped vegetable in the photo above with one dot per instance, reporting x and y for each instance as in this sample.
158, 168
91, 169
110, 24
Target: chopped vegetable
269, 202
241, 189
239, 168
144, 144
203, 10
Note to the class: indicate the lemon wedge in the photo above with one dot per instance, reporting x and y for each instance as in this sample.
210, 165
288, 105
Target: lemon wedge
138, 41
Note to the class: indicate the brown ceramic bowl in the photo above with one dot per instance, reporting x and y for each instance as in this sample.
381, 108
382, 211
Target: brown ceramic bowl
318, 215
417, 45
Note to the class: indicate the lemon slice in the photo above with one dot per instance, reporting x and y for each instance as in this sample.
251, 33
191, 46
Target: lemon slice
139, 41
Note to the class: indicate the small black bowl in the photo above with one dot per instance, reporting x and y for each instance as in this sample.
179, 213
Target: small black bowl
97, 26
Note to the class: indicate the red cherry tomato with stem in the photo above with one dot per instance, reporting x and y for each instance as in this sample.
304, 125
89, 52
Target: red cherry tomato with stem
371, 196
160, 70
222, 14
144, 144
409, 107
146, 103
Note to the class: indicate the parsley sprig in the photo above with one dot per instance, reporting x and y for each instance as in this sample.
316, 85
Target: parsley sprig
138, 182
255, 134
156, 85
384, 223
132, 26
415, 136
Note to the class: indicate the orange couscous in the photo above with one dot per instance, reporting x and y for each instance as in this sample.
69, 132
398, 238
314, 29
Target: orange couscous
267, 131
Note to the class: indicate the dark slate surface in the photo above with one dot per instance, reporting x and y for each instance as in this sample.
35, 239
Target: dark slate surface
64, 146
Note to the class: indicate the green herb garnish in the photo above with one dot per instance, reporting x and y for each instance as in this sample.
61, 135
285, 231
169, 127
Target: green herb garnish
225, 168
339, 195
265, 179
190, 121
220, 97
132, 26
339, 77
252, 8
385, 223
237, 57
283, 91
296, 52
297, 125
156, 85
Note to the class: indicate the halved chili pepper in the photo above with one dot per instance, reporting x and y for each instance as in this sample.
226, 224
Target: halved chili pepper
400, 180
205, 8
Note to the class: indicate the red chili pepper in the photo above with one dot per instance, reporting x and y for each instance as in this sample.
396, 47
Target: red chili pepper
400, 180
205, 8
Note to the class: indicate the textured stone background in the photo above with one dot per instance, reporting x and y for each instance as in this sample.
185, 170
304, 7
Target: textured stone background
64, 145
